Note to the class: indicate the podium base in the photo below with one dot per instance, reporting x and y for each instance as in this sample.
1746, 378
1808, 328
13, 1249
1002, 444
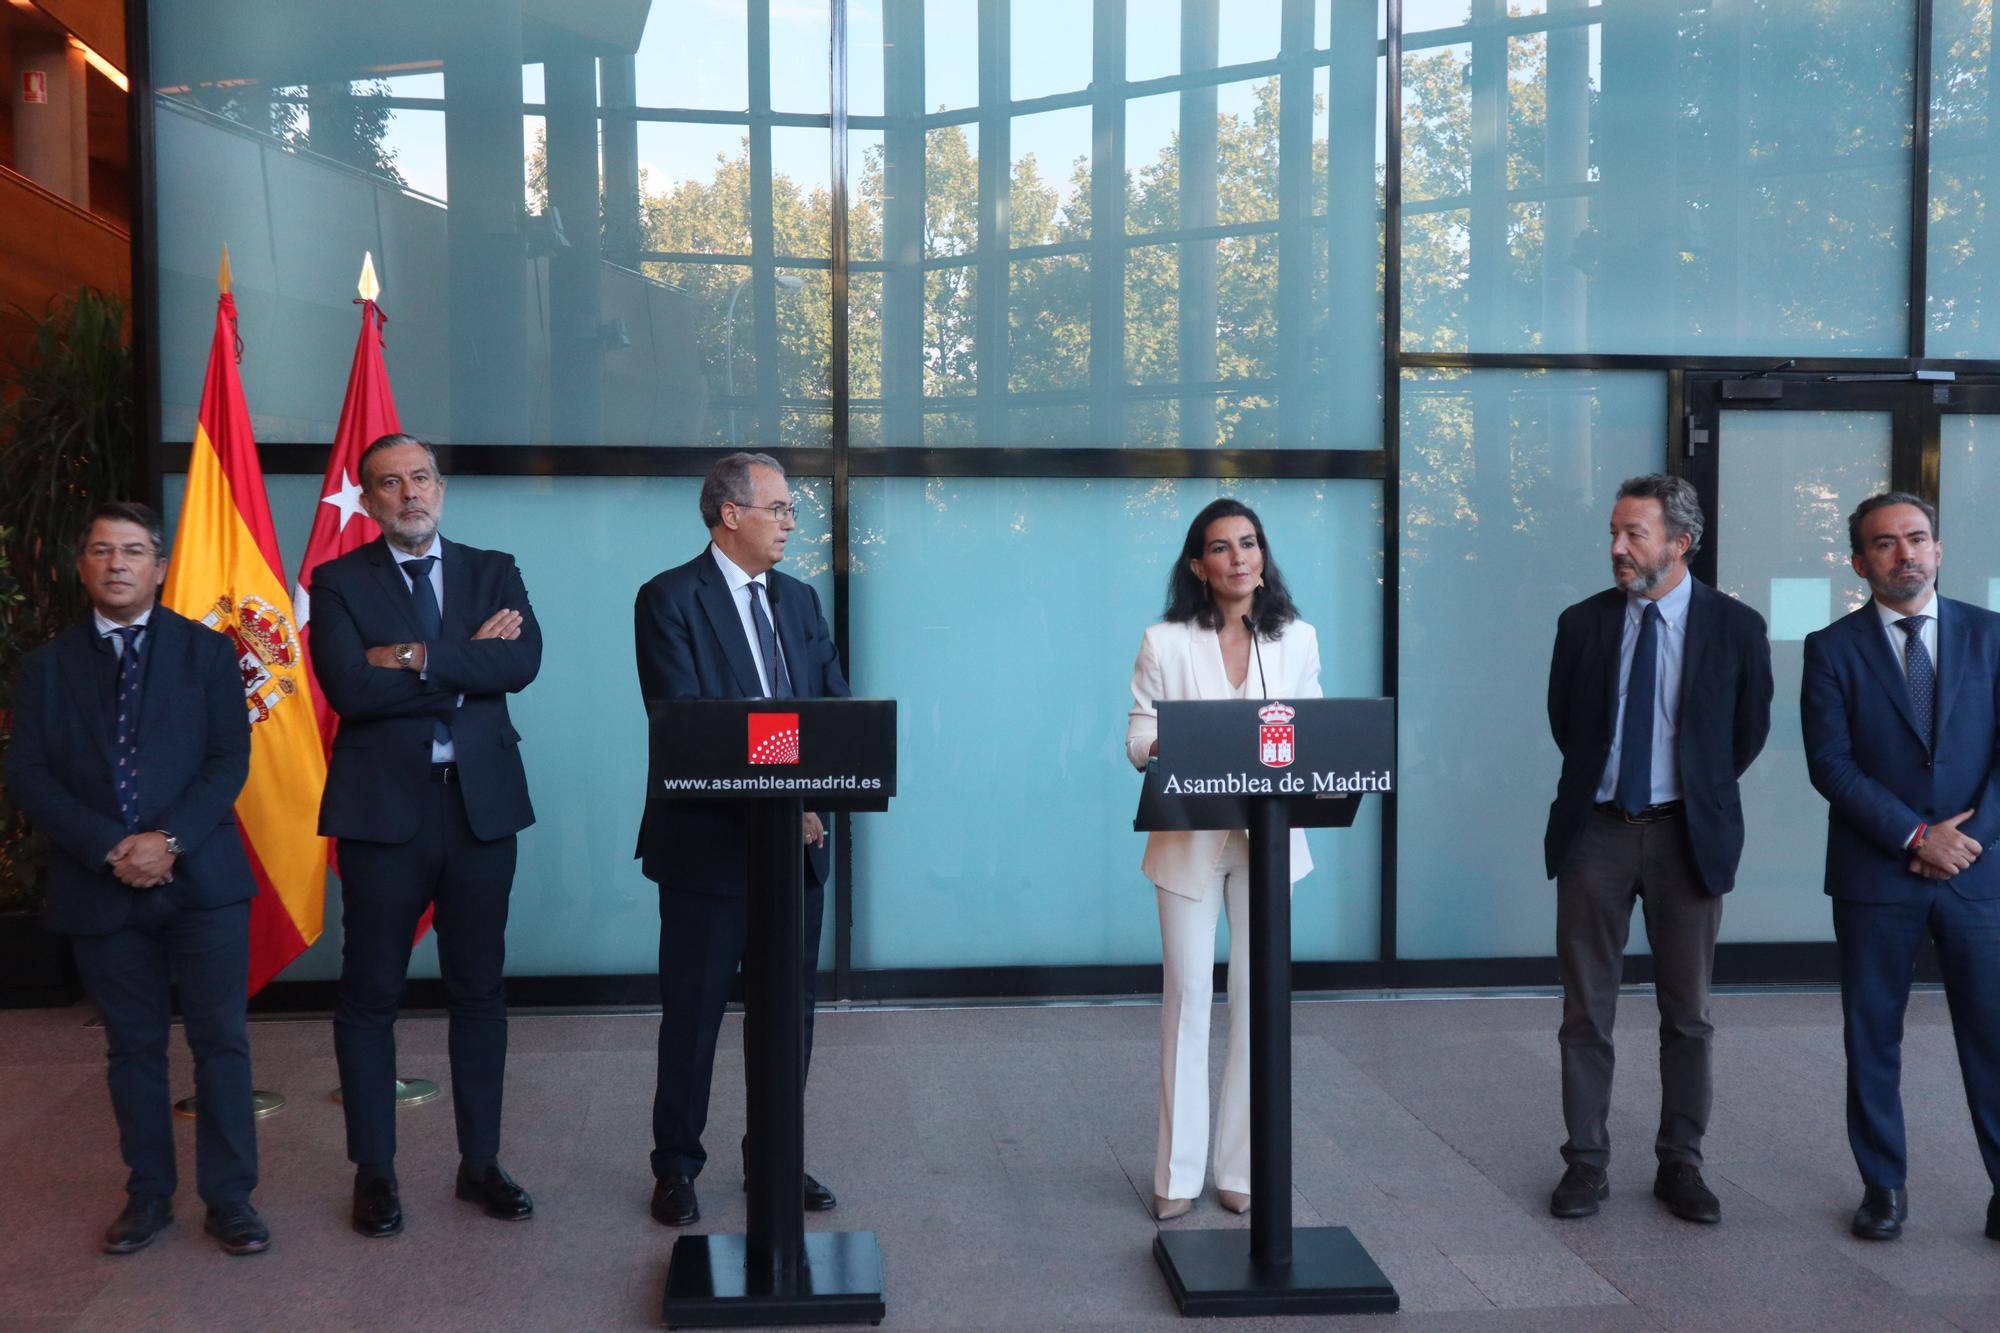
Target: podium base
710, 1283
1211, 1273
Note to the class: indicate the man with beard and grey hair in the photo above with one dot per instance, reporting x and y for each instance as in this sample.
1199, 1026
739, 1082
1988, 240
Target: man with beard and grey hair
1659, 699
1901, 724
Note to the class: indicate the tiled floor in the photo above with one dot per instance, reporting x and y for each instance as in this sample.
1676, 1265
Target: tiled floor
1004, 1158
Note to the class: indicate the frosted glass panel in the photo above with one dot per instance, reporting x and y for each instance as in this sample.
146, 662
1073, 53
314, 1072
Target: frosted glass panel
1004, 616
1663, 178
1964, 251
1969, 495
1789, 480
1507, 489
585, 544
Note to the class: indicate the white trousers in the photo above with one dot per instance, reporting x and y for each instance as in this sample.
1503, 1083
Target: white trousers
1187, 950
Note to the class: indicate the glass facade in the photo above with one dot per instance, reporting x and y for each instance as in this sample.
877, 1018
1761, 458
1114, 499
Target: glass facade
1014, 287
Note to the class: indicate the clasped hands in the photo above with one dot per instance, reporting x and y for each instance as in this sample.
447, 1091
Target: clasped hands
1945, 851
141, 860
502, 624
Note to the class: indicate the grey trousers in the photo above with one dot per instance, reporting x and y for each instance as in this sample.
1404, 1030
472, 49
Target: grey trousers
1611, 863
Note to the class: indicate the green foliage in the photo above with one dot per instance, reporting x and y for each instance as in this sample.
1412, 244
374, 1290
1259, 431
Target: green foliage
66, 444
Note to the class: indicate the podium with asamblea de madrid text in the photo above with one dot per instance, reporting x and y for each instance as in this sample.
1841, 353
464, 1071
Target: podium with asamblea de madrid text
1269, 766
779, 757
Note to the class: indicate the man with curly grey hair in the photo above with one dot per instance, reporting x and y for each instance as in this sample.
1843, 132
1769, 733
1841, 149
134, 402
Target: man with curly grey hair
1659, 699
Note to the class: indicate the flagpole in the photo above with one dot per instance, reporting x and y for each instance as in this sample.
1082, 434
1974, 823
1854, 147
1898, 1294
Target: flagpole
409, 1091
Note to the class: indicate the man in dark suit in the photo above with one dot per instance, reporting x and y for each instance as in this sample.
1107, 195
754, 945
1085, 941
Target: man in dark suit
1659, 699
726, 625
131, 742
417, 642
1902, 737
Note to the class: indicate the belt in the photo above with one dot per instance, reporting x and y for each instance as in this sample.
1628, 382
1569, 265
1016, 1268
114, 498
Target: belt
1652, 814
444, 772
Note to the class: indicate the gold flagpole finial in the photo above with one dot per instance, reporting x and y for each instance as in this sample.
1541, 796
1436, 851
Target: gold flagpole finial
222, 279
368, 287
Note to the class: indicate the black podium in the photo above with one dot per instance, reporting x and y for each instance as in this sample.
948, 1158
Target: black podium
1269, 766
780, 757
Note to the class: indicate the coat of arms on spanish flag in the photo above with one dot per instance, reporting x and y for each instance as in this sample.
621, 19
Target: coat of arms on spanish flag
226, 573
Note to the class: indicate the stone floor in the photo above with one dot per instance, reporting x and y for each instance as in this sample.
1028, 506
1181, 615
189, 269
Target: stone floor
1003, 1156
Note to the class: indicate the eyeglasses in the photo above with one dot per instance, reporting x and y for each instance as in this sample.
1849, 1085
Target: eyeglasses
779, 511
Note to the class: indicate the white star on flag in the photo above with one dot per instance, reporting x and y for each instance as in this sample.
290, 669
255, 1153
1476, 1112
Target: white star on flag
347, 500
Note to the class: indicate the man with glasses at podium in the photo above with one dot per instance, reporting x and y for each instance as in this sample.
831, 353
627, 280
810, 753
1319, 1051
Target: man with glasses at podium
726, 625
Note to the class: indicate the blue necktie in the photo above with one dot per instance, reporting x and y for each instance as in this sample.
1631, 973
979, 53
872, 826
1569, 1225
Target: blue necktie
1921, 674
423, 597
767, 644
1635, 754
125, 743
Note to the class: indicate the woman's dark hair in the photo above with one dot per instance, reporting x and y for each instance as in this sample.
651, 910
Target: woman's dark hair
1187, 596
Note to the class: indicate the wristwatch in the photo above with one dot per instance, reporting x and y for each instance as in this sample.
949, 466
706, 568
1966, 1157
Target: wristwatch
406, 655
173, 844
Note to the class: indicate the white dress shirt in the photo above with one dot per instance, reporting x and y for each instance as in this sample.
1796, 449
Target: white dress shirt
442, 752
1672, 645
107, 629
1899, 641
739, 593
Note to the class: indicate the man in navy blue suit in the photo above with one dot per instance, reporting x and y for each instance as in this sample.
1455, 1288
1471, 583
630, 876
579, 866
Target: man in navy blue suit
131, 743
417, 642
1901, 712
1659, 699
726, 625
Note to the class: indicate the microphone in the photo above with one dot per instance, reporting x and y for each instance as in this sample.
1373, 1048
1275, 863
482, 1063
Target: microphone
1259, 649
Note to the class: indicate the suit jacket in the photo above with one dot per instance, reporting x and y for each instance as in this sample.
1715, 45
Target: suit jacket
1868, 759
690, 642
1182, 661
382, 753
194, 755
1725, 714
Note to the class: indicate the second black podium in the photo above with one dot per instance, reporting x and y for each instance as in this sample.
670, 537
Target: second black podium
780, 757
1269, 767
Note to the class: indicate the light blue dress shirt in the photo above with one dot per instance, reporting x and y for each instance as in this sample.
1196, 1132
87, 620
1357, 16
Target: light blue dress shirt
1672, 645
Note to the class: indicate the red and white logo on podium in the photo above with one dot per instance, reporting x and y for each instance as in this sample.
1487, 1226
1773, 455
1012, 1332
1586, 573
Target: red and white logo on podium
1275, 747
774, 738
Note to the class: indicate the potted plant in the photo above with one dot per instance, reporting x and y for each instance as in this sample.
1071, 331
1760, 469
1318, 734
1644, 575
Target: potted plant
67, 443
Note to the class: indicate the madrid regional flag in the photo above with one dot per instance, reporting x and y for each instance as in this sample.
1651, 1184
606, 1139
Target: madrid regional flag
340, 524
226, 574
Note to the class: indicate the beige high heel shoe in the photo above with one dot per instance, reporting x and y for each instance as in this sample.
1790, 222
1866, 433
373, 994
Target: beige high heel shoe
1168, 1209
1234, 1202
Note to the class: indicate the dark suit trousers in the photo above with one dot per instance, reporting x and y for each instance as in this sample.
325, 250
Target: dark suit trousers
206, 953
1878, 954
702, 938
1610, 864
384, 890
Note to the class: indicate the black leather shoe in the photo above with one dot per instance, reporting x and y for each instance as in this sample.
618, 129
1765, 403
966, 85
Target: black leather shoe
378, 1211
817, 1197
674, 1203
145, 1216
495, 1191
238, 1229
1993, 1218
1579, 1192
1882, 1214
1679, 1185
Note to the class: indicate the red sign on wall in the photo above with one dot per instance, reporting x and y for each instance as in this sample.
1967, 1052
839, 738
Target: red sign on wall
35, 86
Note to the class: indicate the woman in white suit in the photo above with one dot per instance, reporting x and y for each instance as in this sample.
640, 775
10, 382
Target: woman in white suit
1224, 583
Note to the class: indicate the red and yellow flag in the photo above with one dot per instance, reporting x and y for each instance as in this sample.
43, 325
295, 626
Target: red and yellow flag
226, 574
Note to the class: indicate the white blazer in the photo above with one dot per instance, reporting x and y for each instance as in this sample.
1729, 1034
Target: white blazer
1184, 661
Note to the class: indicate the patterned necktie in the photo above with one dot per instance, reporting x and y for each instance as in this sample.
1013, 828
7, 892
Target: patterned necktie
767, 644
1635, 754
423, 597
1922, 676
125, 744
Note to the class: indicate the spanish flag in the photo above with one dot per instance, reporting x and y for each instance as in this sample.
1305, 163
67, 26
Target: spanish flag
226, 574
